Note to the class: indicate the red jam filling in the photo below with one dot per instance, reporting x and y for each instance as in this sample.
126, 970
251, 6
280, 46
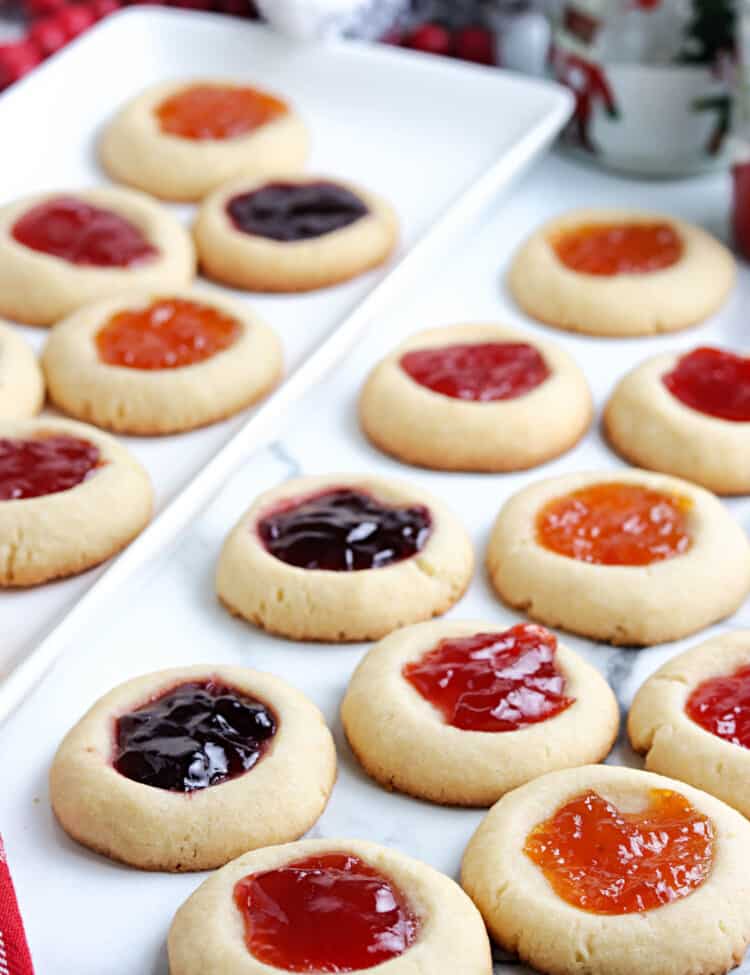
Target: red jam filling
217, 112
344, 530
44, 465
193, 736
615, 524
493, 681
80, 233
628, 248
714, 382
169, 333
295, 211
327, 913
605, 861
721, 705
481, 373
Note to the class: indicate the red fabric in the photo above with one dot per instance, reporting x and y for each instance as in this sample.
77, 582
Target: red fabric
14, 950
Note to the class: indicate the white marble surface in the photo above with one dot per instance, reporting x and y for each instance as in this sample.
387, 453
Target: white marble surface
91, 917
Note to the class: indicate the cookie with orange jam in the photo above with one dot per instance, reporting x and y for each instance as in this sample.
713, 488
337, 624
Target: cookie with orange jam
491, 706
160, 363
630, 557
613, 871
180, 140
621, 272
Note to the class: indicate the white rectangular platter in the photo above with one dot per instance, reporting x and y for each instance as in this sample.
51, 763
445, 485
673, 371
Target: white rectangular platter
372, 112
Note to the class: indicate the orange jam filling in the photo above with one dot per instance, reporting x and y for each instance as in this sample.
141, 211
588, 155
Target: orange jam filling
167, 334
217, 111
606, 249
605, 861
615, 524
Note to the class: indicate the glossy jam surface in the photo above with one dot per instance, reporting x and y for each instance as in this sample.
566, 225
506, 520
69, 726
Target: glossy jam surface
217, 112
169, 333
294, 211
609, 249
480, 373
83, 234
327, 913
195, 735
714, 382
344, 530
44, 465
615, 524
605, 861
721, 705
493, 681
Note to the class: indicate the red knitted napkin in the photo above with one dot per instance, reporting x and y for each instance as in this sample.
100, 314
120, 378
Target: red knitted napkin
14, 951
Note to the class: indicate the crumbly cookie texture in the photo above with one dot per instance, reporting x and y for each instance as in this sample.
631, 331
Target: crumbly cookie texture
666, 300
340, 607
425, 428
40, 289
207, 937
21, 379
160, 401
659, 726
256, 263
134, 150
650, 427
705, 932
278, 800
65, 533
626, 605
383, 715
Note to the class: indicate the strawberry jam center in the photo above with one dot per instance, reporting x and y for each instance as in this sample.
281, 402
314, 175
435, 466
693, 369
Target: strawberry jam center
628, 248
295, 211
493, 681
605, 861
193, 736
80, 233
44, 465
217, 112
721, 705
327, 913
169, 333
714, 382
344, 530
615, 524
481, 373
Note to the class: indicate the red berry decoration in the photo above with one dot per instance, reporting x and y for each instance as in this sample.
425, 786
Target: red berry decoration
101, 8
75, 19
16, 60
432, 39
40, 8
475, 44
48, 35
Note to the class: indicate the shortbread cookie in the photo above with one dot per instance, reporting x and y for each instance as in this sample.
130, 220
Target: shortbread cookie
476, 398
328, 906
185, 769
59, 251
613, 871
21, 379
343, 557
70, 497
692, 718
158, 363
292, 233
625, 556
490, 707
687, 415
181, 139
621, 272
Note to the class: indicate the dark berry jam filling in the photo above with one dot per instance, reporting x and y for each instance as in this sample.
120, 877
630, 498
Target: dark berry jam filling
481, 373
493, 681
80, 233
344, 530
44, 465
195, 735
721, 705
327, 913
714, 382
294, 211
